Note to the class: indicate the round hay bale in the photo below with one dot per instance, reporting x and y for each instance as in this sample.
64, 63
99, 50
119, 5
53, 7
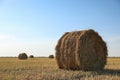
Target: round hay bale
22, 56
31, 56
81, 50
51, 56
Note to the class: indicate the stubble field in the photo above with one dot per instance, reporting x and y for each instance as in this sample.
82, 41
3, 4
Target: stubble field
47, 69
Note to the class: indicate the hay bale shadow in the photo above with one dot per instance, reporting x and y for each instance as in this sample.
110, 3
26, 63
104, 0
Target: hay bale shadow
95, 73
108, 72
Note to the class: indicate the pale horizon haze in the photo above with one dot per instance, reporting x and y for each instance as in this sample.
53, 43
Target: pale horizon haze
35, 26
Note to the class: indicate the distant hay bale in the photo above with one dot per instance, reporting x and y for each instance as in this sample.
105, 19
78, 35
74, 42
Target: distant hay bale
31, 56
81, 50
51, 56
22, 56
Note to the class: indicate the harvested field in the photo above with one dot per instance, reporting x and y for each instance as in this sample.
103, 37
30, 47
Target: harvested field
47, 69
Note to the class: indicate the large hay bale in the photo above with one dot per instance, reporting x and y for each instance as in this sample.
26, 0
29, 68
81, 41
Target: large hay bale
51, 56
22, 56
81, 50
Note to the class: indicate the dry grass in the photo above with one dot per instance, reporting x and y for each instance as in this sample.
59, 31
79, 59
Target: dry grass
46, 69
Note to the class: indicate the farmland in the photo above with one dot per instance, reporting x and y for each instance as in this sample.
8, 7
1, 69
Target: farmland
47, 69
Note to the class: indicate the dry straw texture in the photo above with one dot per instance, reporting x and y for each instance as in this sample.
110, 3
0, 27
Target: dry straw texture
22, 56
81, 50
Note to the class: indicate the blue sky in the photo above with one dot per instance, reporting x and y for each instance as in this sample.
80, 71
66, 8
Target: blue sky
34, 26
